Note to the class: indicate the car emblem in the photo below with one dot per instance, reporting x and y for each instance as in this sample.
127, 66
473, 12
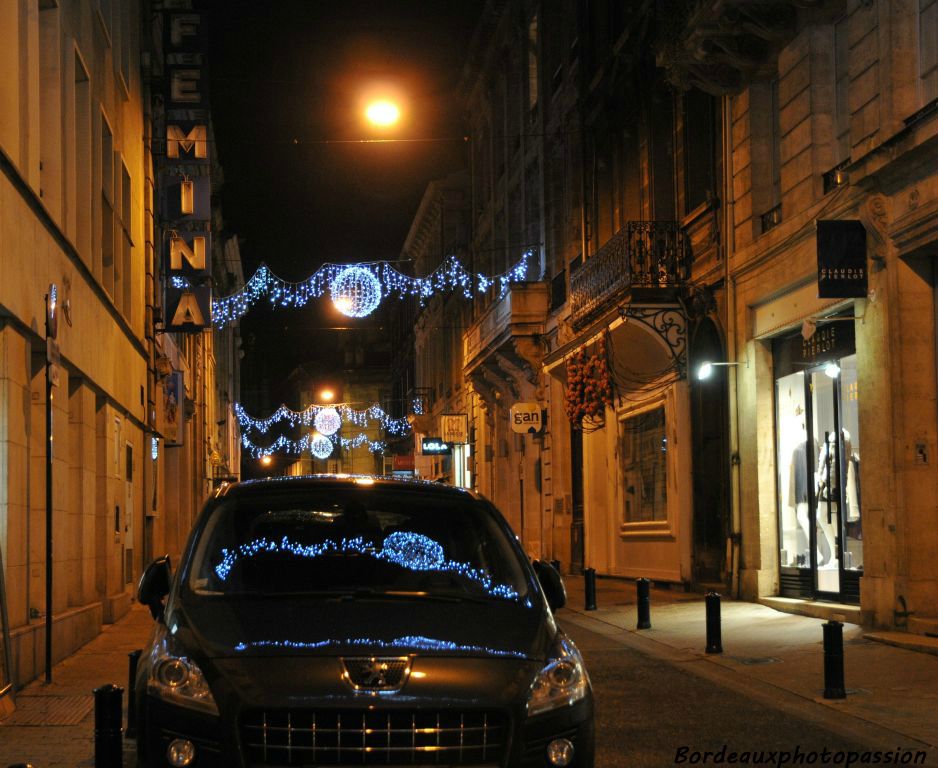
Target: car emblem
376, 674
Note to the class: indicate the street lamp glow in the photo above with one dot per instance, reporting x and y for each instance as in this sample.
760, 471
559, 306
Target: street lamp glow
266, 460
326, 395
704, 371
382, 113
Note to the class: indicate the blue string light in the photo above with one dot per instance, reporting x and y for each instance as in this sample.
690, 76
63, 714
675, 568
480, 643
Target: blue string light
310, 443
409, 550
409, 642
358, 290
307, 417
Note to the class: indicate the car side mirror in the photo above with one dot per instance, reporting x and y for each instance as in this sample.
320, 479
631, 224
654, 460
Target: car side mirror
154, 586
551, 583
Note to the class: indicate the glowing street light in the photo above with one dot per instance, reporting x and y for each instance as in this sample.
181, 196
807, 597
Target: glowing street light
383, 113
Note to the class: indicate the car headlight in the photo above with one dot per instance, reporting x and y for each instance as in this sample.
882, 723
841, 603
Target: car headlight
177, 679
561, 683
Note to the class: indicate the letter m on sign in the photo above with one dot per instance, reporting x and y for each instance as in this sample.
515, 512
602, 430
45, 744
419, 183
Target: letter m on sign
193, 142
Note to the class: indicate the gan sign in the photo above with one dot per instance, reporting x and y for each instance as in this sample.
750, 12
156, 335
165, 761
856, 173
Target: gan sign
526, 418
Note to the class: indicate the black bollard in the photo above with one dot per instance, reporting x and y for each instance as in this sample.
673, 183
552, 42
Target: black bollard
714, 641
108, 749
834, 660
644, 603
132, 658
589, 580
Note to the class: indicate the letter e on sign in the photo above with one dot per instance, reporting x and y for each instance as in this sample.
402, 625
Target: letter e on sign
525, 418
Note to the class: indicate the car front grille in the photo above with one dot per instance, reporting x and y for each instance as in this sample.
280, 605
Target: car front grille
373, 737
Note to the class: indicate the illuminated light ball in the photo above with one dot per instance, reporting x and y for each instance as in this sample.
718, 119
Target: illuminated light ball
356, 292
413, 550
327, 421
321, 447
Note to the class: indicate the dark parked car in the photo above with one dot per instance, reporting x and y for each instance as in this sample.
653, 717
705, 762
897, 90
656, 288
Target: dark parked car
334, 620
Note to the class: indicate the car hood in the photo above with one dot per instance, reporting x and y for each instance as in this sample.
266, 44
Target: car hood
218, 628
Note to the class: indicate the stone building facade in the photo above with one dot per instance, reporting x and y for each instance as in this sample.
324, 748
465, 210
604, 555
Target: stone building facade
834, 125
671, 165
78, 223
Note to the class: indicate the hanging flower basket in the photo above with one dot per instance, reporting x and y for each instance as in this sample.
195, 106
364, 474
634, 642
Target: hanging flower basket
589, 386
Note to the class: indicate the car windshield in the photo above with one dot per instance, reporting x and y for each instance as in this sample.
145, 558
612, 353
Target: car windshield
358, 543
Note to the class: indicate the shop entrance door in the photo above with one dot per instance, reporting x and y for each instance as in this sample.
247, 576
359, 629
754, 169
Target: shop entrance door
821, 543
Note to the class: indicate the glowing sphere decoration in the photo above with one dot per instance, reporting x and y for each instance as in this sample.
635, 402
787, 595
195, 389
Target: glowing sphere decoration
321, 447
356, 292
327, 421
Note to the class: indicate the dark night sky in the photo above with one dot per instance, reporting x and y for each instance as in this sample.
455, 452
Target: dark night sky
287, 77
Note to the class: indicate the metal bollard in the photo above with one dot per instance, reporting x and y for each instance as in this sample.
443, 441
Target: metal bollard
108, 749
644, 603
132, 658
834, 660
589, 581
714, 640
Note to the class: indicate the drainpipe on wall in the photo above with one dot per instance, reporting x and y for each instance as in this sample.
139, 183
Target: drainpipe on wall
729, 239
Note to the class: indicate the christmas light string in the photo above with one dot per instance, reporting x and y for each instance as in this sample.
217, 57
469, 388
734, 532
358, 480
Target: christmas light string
357, 289
309, 415
407, 549
409, 642
314, 443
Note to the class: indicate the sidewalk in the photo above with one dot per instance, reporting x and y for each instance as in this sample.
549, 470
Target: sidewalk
53, 724
892, 691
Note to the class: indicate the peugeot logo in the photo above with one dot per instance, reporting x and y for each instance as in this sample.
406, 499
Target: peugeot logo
372, 674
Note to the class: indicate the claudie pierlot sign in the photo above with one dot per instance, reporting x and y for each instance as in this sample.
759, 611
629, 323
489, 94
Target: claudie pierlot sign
841, 260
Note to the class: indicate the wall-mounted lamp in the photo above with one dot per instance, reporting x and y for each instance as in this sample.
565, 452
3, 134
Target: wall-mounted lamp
706, 368
832, 370
809, 326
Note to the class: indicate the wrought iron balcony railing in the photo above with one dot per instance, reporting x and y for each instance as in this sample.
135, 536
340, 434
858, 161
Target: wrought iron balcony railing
650, 258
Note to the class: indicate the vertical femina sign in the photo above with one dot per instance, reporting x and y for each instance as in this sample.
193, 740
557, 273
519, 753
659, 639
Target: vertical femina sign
185, 182
841, 260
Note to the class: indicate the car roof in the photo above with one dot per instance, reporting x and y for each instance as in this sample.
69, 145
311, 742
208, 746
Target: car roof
333, 481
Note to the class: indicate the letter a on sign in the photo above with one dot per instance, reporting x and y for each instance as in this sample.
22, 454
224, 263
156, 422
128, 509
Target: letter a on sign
188, 311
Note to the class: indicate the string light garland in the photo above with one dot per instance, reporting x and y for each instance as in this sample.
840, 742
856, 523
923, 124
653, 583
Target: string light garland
354, 292
307, 418
407, 549
409, 642
311, 443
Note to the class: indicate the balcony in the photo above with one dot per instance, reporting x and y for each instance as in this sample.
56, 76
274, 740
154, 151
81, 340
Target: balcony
721, 46
502, 350
647, 262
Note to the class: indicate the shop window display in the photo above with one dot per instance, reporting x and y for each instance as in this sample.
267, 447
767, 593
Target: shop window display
819, 474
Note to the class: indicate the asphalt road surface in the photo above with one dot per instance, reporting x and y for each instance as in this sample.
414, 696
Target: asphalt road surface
652, 713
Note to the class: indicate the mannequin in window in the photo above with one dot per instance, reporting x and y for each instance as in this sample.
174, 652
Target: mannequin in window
798, 495
828, 492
